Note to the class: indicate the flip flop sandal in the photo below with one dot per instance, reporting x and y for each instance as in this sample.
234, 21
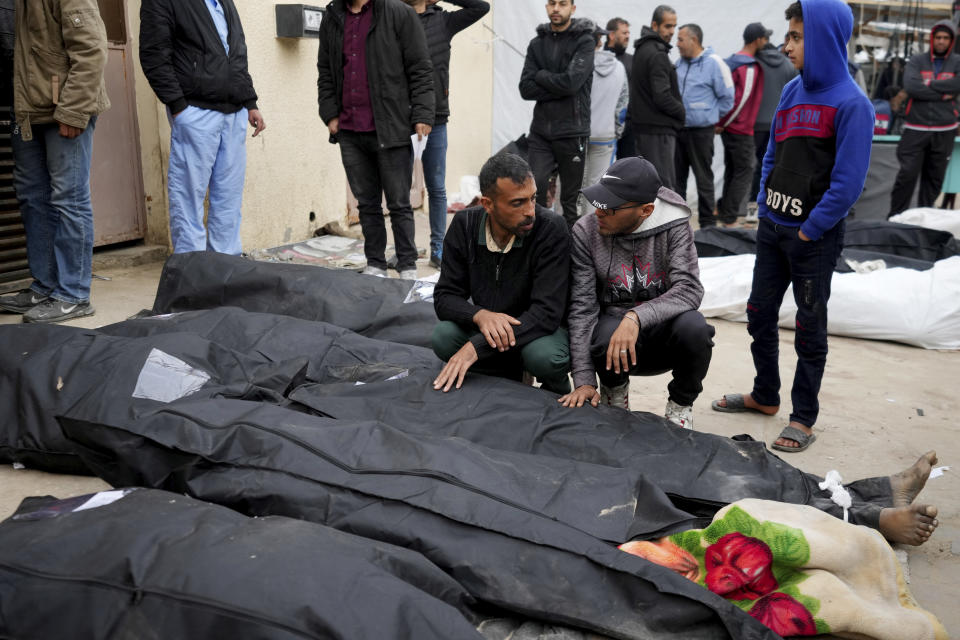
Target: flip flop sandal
734, 405
800, 437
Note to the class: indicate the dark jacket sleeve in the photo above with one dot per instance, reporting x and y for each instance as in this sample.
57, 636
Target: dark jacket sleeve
250, 100
419, 69
472, 11
156, 53
326, 93
451, 296
578, 73
949, 87
584, 308
550, 267
913, 82
529, 89
661, 87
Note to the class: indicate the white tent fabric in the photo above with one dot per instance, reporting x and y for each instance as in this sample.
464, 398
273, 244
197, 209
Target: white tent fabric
941, 219
515, 24
919, 308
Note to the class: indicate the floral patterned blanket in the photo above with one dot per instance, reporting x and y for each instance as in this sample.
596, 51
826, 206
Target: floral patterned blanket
799, 571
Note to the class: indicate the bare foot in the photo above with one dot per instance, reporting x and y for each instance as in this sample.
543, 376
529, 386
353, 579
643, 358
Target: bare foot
793, 444
750, 403
908, 483
913, 524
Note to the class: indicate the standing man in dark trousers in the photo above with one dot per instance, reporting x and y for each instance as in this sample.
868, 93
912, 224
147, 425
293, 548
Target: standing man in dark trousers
58, 91
194, 55
656, 108
707, 89
777, 72
736, 127
440, 26
375, 86
932, 82
813, 173
558, 74
618, 39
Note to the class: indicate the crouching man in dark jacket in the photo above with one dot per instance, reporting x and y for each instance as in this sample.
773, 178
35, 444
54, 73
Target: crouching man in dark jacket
635, 293
503, 284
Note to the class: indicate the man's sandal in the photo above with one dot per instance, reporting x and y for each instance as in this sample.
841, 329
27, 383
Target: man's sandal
734, 404
800, 437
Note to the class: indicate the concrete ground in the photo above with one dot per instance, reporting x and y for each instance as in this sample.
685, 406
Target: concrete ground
882, 406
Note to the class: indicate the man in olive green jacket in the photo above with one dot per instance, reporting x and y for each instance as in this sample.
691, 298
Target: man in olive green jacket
58, 86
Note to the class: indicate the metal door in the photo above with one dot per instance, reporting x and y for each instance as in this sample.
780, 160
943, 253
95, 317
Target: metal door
116, 177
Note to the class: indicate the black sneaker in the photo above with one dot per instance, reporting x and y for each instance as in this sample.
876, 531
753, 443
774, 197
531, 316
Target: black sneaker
22, 301
56, 311
435, 261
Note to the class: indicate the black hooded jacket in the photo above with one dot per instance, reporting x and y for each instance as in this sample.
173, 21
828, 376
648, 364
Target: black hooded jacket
558, 74
440, 26
184, 59
655, 102
399, 71
933, 96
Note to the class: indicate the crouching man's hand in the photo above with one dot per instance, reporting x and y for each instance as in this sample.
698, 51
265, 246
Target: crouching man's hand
456, 368
497, 329
580, 395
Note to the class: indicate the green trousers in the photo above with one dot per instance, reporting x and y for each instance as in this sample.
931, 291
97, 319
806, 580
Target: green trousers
546, 358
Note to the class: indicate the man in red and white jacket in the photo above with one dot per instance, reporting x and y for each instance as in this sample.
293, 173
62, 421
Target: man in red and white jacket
736, 127
932, 82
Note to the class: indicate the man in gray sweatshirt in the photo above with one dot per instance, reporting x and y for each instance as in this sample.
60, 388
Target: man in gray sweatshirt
608, 111
635, 290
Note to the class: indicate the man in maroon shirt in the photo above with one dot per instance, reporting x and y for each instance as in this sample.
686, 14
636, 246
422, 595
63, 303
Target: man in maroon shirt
375, 90
736, 127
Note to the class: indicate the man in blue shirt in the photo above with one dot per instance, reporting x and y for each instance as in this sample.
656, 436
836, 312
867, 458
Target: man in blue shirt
706, 87
195, 57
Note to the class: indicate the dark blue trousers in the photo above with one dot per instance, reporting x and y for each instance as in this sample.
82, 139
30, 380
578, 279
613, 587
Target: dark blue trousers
784, 259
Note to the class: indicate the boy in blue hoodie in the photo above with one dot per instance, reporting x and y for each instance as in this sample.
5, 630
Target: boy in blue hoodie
813, 172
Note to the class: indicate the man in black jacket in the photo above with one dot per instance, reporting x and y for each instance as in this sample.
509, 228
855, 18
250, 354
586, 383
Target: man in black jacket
618, 38
375, 89
656, 108
932, 80
195, 57
440, 26
558, 74
502, 292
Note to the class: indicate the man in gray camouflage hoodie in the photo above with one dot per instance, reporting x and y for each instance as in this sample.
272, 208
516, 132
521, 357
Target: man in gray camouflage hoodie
635, 290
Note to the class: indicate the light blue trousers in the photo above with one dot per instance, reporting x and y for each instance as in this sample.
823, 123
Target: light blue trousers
207, 151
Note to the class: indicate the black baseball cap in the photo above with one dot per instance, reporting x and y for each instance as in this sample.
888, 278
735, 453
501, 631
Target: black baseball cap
627, 180
755, 30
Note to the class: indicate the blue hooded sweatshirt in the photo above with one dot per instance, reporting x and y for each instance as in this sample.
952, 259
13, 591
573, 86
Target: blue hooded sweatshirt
819, 151
706, 87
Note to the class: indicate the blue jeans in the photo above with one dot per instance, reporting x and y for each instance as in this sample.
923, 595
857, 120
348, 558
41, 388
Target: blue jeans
784, 259
51, 175
207, 150
435, 175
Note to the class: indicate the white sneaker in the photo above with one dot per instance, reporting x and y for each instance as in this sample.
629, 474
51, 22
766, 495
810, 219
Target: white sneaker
679, 415
373, 271
408, 274
616, 396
